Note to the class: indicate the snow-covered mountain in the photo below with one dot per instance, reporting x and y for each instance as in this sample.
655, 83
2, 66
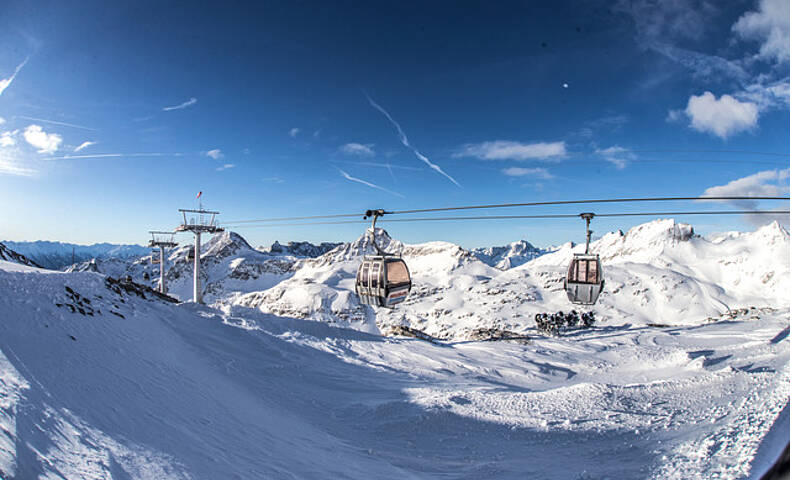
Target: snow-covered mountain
229, 266
299, 249
656, 273
11, 256
57, 255
512, 255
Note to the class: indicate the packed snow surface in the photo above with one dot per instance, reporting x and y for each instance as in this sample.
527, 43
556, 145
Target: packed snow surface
686, 375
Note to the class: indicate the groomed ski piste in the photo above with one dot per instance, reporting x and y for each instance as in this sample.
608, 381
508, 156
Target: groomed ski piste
685, 375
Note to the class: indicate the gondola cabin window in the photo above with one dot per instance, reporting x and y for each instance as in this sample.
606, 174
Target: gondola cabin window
397, 273
584, 271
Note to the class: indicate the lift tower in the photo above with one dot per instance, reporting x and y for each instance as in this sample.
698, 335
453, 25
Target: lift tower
162, 240
202, 221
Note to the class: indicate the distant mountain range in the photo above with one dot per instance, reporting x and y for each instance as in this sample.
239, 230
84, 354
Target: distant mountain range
58, 255
11, 256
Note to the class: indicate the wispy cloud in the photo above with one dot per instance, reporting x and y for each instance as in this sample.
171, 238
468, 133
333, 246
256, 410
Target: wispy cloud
616, 155
673, 19
405, 141
8, 139
84, 145
2, 120
380, 165
181, 106
528, 172
294, 132
9, 163
608, 123
273, 180
700, 64
371, 185
116, 155
6, 82
43, 141
216, 154
55, 122
358, 149
226, 167
510, 150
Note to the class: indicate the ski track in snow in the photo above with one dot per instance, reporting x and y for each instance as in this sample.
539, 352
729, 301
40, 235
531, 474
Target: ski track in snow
151, 390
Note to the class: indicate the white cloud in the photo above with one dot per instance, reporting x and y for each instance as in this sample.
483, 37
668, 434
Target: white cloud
721, 117
528, 172
358, 149
371, 185
2, 120
43, 141
617, 155
509, 150
768, 183
181, 106
8, 139
84, 145
225, 167
294, 132
273, 180
6, 82
216, 154
770, 25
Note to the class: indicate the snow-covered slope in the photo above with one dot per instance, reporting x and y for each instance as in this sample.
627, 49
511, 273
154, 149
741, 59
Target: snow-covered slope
104, 381
11, 256
57, 255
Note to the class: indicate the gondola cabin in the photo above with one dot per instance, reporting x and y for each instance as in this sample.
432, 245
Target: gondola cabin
584, 281
383, 281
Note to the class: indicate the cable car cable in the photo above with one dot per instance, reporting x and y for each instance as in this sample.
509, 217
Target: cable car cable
509, 205
528, 217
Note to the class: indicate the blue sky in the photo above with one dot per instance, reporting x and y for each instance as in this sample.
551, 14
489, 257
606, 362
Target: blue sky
115, 114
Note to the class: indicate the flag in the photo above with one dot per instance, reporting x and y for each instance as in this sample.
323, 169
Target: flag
199, 194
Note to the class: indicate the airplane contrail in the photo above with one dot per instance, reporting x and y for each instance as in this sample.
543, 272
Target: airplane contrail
405, 141
371, 185
54, 122
181, 106
6, 82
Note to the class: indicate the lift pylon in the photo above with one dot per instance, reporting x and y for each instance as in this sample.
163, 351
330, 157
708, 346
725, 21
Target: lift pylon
162, 240
200, 221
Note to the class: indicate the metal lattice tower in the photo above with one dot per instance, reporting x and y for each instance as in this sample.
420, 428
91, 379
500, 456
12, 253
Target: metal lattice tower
200, 221
162, 240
